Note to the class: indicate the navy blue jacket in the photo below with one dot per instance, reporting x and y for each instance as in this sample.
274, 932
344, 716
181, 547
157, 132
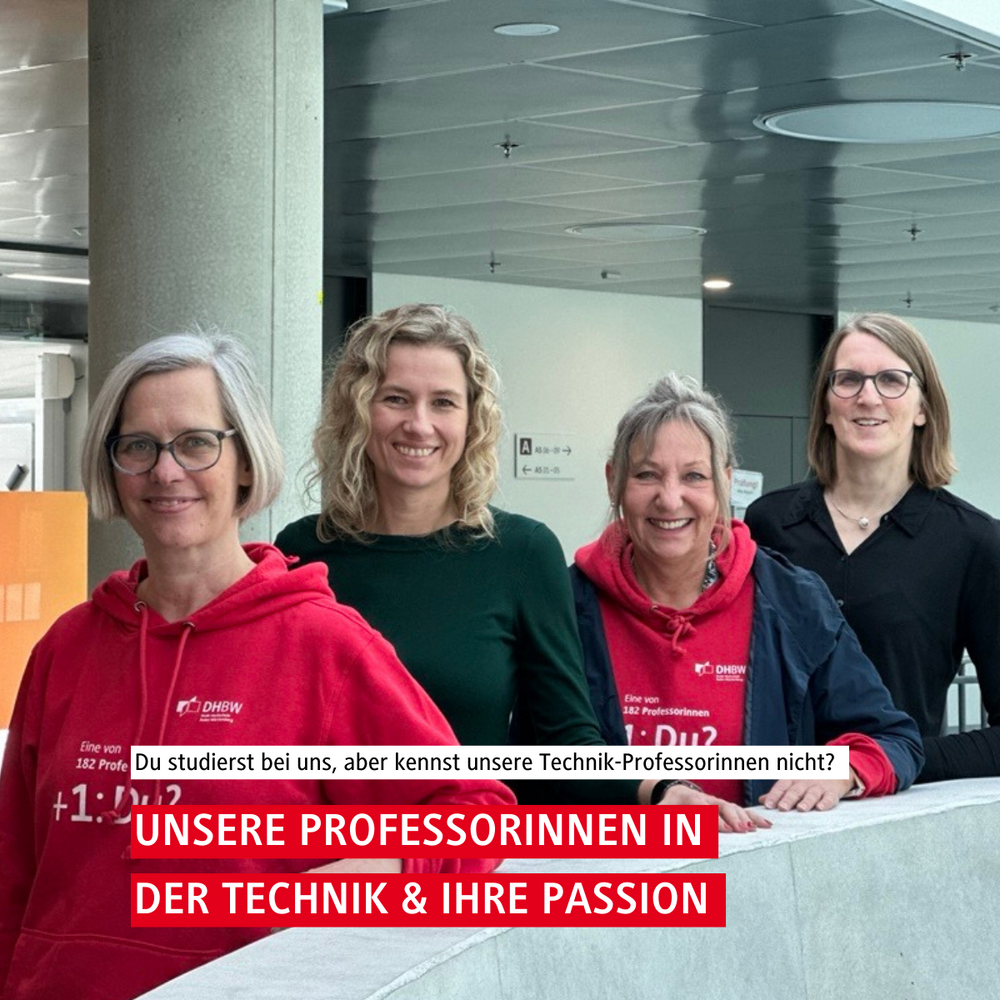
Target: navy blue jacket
807, 682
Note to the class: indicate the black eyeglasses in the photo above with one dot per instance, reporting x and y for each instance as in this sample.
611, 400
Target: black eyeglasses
193, 451
889, 384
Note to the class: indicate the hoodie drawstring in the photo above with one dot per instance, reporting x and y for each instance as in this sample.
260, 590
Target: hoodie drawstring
119, 811
679, 627
188, 629
123, 806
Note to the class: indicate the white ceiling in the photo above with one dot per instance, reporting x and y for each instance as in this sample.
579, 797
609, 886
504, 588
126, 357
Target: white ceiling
635, 110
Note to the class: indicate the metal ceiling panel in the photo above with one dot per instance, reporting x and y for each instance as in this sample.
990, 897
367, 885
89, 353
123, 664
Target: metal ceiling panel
51, 153
42, 97
654, 271
933, 272
492, 95
503, 183
716, 117
764, 155
605, 253
684, 288
757, 12
636, 108
951, 200
480, 242
775, 56
906, 248
413, 42
487, 266
46, 195
33, 33
471, 147
54, 229
856, 184
980, 165
457, 219
984, 222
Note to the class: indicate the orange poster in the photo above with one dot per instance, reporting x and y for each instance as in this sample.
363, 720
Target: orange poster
43, 572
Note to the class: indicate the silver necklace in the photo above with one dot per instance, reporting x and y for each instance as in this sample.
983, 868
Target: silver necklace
711, 569
863, 521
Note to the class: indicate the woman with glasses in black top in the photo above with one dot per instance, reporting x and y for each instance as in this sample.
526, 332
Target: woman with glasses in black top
915, 569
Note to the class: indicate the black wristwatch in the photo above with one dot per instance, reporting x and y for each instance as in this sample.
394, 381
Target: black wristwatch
662, 787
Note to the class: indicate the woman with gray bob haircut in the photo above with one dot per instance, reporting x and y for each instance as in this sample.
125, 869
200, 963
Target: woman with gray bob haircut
244, 406
204, 641
693, 636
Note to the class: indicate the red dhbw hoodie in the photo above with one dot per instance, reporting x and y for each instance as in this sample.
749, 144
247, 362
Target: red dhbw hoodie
681, 674
272, 660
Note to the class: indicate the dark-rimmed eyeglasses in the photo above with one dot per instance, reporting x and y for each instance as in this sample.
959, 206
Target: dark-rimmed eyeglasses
889, 384
194, 451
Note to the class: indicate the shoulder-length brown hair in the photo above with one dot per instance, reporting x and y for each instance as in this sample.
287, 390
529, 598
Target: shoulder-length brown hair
932, 463
344, 472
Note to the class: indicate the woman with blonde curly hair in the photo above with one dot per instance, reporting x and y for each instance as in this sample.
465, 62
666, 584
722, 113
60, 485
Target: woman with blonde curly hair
475, 599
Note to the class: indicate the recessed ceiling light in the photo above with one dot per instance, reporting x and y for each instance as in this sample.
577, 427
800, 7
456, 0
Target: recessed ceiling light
884, 121
526, 29
716, 284
629, 232
58, 279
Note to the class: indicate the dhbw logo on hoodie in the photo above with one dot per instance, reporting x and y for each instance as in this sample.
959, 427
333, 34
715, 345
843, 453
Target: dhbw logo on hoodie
210, 711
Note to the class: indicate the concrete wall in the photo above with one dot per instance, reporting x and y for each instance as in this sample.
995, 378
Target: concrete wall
968, 355
571, 362
879, 899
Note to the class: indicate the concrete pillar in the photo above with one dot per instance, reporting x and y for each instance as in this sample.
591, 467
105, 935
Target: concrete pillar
206, 201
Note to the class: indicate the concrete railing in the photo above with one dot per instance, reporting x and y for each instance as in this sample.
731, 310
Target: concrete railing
895, 899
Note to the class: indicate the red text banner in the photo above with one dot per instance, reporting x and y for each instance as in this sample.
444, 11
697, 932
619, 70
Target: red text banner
238, 900
425, 832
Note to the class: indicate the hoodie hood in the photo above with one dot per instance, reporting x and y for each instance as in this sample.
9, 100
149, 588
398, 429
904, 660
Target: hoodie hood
265, 589
607, 563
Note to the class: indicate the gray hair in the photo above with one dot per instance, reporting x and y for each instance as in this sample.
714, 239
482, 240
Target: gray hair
244, 405
674, 397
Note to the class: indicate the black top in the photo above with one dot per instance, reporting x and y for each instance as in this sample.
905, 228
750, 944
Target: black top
923, 587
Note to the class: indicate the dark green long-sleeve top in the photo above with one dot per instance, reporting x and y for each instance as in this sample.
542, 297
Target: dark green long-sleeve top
479, 623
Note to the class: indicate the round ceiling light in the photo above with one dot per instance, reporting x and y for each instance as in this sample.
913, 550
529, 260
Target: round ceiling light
884, 121
629, 232
526, 29
716, 284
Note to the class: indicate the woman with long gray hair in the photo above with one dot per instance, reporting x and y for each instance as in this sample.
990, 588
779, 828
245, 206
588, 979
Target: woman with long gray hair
701, 638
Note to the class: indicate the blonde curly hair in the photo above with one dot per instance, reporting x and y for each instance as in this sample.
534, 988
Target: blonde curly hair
344, 473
